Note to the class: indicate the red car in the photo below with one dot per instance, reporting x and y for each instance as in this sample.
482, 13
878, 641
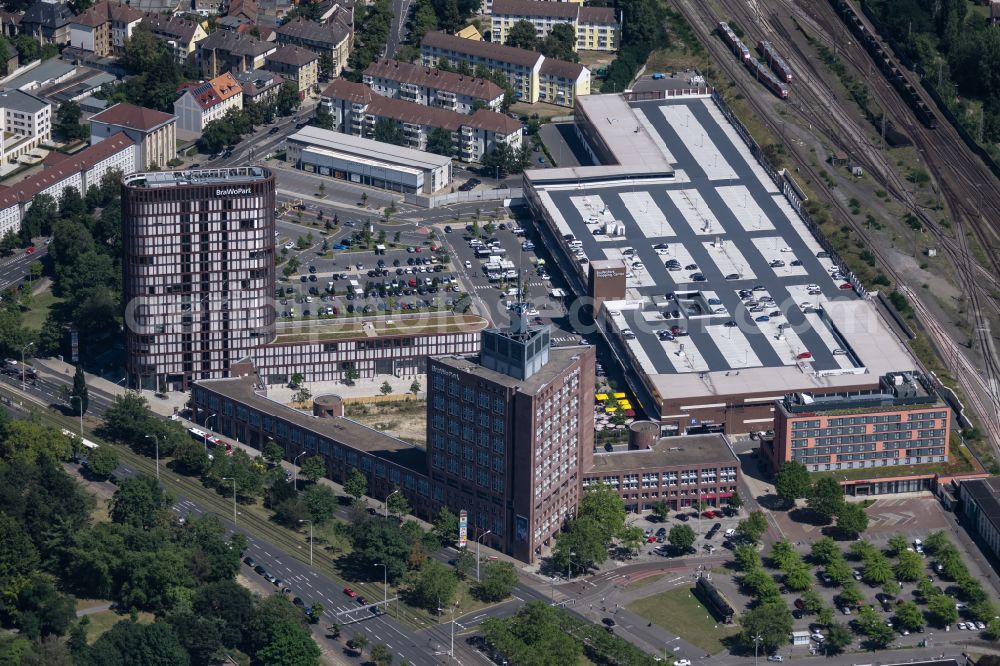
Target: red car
804, 355
708, 514
847, 285
349, 592
30, 249
651, 539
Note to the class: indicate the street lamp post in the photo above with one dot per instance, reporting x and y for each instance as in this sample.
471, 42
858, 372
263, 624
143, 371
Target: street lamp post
156, 439
756, 641
296, 470
229, 478
80, 398
207, 419
385, 581
387, 501
478, 539
310, 540
569, 564
30, 344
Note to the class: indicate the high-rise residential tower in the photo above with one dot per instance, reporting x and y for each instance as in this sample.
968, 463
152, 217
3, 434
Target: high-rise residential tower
198, 272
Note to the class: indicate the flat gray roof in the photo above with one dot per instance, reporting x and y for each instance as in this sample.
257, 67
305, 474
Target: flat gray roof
559, 359
699, 450
196, 177
721, 212
629, 141
21, 101
369, 148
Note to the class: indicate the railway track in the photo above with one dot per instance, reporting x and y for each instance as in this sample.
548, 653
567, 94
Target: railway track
815, 101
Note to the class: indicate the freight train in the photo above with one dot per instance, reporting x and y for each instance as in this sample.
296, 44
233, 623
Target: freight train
756, 67
885, 63
777, 63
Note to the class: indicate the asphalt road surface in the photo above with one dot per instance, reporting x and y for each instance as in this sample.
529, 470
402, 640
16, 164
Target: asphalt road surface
15, 269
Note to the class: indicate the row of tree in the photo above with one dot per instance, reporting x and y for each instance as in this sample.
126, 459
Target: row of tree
143, 559
229, 129
642, 31
560, 43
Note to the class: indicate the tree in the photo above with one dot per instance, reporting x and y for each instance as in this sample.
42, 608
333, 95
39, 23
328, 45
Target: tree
632, 538
585, 538
313, 468
935, 542
289, 643
909, 566
137, 501
397, 504
315, 612
877, 570
102, 462
303, 395
465, 563
825, 497
191, 458
68, 122
838, 570
604, 505
385, 389
498, 581
381, 655
753, 526
760, 585
415, 387
321, 502
288, 99
747, 557
323, 118
812, 601
560, 43
735, 501
388, 130
436, 583
380, 541
42, 610
140, 644
792, 481
824, 550
783, 554
909, 616
852, 519
661, 510
446, 526
897, 544
79, 391
272, 452
771, 622
523, 35
441, 142
681, 536
535, 635
356, 484
199, 636
838, 637
798, 577
942, 609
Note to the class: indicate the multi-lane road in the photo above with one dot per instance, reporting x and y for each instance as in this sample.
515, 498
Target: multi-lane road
16, 268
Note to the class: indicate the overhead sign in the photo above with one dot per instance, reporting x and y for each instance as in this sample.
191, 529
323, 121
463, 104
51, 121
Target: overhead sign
232, 191
463, 527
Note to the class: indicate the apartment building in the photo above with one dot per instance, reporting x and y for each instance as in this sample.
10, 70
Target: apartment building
103, 28
202, 103
297, 65
596, 28
47, 22
228, 51
430, 86
901, 423
333, 39
677, 470
562, 83
260, 85
356, 110
181, 35
80, 171
154, 132
509, 436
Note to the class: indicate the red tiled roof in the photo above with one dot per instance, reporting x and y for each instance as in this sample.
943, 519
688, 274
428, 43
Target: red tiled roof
62, 169
216, 91
246, 8
405, 72
133, 117
352, 92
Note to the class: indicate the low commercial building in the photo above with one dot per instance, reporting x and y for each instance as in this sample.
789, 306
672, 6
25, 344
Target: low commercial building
596, 28
564, 82
330, 40
679, 472
430, 86
202, 103
103, 28
154, 132
902, 423
228, 51
356, 110
297, 65
981, 508
81, 171
368, 162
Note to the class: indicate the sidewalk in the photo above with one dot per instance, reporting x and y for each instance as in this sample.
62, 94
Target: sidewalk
361, 388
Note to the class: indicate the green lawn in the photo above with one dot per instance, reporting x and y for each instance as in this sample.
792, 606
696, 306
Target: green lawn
680, 612
40, 305
643, 582
101, 621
